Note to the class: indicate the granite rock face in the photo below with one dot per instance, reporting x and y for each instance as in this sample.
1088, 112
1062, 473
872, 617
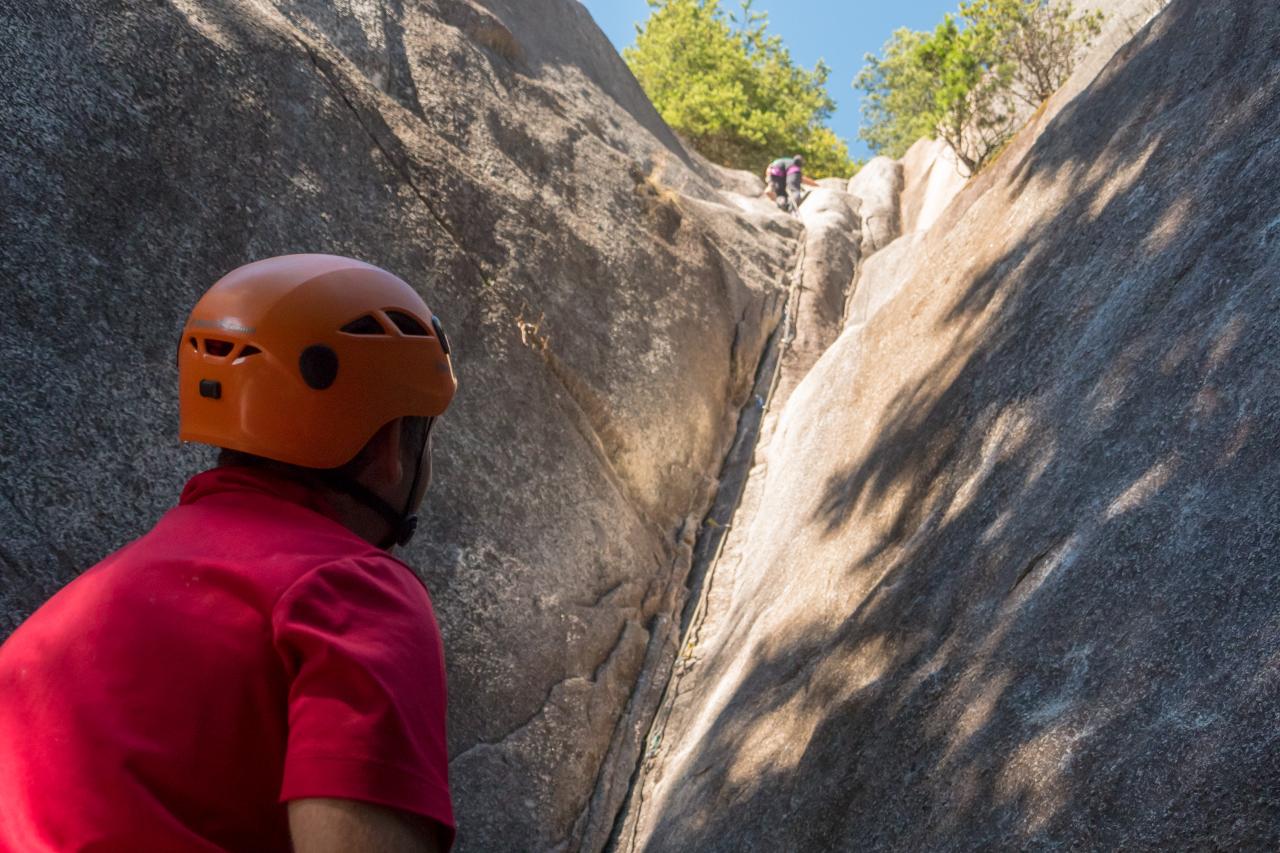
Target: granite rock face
607, 295
879, 185
828, 255
1007, 574
881, 277
932, 177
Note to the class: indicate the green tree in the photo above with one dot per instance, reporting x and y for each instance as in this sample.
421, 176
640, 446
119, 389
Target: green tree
974, 78
969, 79
1035, 40
898, 108
732, 89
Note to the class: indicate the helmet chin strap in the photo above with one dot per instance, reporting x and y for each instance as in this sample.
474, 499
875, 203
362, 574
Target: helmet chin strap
404, 523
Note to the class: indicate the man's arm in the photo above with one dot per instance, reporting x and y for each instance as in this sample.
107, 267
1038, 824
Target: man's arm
348, 826
805, 179
366, 710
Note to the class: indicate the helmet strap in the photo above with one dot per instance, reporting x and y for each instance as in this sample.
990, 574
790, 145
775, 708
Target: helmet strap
404, 523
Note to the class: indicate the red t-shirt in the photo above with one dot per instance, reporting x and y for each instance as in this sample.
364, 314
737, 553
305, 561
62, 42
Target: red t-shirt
248, 651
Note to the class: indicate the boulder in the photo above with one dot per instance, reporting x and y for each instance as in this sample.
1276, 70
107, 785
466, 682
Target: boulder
932, 177
1009, 576
882, 276
735, 181
608, 299
879, 184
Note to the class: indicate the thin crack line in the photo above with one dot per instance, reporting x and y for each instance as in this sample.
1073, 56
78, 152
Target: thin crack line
692, 635
400, 168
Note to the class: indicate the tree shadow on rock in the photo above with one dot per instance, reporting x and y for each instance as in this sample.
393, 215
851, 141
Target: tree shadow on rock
1077, 646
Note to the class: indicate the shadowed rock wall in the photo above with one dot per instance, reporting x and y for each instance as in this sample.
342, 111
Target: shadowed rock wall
608, 306
1007, 572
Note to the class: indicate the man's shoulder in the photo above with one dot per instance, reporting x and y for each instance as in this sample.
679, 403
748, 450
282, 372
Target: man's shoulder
370, 570
356, 596
245, 548
249, 525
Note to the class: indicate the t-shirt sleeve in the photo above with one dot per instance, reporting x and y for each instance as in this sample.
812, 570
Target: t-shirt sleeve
367, 699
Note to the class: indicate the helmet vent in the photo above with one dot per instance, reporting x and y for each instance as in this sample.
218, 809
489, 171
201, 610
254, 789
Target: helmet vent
195, 346
408, 325
366, 325
218, 348
249, 349
318, 366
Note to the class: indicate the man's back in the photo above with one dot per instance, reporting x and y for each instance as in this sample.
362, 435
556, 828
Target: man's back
247, 651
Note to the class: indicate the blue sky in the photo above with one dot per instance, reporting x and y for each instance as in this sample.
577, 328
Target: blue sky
839, 31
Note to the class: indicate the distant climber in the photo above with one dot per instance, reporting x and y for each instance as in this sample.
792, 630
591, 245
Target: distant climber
257, 672
786, 179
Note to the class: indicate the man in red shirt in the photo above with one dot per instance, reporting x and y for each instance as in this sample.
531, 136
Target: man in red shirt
257, 672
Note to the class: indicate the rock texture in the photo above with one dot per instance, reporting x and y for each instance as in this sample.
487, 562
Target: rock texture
1007, 572
929, 177
608, 300
932, 177
931, 174
881, 277
828, 256
1124, 16
879, 185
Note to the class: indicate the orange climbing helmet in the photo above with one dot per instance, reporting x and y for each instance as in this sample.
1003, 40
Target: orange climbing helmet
303, 358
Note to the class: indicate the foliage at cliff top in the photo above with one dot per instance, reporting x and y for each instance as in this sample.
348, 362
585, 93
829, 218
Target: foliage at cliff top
974, 78
733, 90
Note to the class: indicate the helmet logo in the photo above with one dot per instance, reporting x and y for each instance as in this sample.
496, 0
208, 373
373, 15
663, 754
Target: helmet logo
225, 324
319, 366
